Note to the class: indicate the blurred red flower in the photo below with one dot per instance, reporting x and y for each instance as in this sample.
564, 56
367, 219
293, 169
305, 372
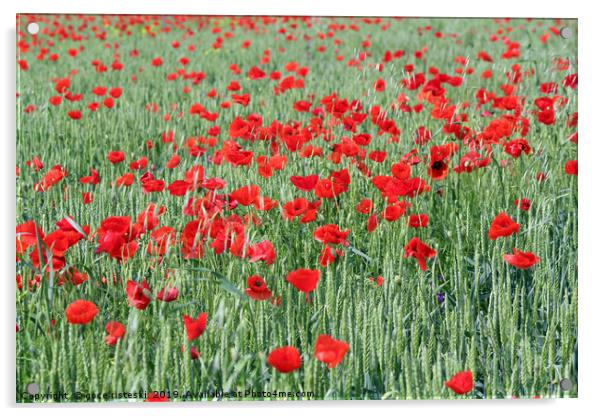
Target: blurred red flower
195, 327
168, 294
331, 234
521, 259
523, 203
570, 168
329, 350
116, 156
139, 294
461, 383
247, 195
115, 330
285, 359
420, 251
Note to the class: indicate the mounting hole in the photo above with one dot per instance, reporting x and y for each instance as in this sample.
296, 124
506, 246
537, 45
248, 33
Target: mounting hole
566, 384
565, 32
32, 388
33, 28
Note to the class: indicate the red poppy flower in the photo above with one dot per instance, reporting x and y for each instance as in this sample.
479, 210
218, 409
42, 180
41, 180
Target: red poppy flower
378, 156
150, 184
139, 294
148, 219
329, 350
437, 167
115, 92
302, 106
160, 239
521, 259
195, 327
73, 235
257, 289
547, 117
570, 168
126, 180
461, 383
116, 156
247, 195
76, 277
420, 251
168, 294
295, 208
305, 183
109, 102
418, 220
285, 359
423, 135
380, 85
392, 212
115, 330
58, 242
471, 161
139, 164
304, 280
241, 99
100, 91
255, 73
265, 203
192, 240
87, 198
365, 206
117, 237
233, 86
517, 146
502, 226
173, 162
62, 85
372, 223
327, 256
51, 178
331, 234
157, 61
75, 114
35, 163
262, 251
28, 234
179, 188
92, 179
55, 100
334, 185
523, 203
570, 81
81, 312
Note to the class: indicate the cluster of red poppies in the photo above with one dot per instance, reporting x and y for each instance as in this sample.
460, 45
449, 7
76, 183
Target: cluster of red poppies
504, 226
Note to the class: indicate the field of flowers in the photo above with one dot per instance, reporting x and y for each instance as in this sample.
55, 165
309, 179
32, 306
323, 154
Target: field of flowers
260, 208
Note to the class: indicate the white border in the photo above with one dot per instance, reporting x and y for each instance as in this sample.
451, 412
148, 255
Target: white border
590, 154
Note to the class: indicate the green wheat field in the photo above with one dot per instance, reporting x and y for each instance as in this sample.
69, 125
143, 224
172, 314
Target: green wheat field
366, 179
